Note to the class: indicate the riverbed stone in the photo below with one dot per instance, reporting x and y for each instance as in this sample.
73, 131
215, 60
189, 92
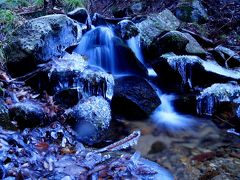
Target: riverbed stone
155, 25
134, 98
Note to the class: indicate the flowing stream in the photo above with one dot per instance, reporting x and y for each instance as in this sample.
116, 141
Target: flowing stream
164, 115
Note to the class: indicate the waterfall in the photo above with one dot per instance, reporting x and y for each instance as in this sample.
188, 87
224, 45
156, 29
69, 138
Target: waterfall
164, 115
134, 44
97, 45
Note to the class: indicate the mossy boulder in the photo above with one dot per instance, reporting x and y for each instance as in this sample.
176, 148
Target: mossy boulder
177, 42
40, 40
155, 25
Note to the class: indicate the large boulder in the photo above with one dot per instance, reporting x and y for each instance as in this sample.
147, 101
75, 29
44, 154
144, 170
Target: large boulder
184, 73
177, 42
134, 98
191, 11
220, 99
126, 29
155, 25
28, 114
226, 57
90, 119
40, 40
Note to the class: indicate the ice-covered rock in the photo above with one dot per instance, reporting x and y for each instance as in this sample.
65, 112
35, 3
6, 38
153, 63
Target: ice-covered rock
90, 119
212, 98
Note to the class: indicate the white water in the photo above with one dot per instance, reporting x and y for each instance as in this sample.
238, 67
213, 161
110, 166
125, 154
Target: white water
165, 115
97, 45
134, 44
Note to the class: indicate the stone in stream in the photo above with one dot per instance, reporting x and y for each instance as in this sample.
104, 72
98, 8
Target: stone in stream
226, 57
126, 29
176, 42
40, 40
90, 118
186, 73
155, 25
134, 98
28, 114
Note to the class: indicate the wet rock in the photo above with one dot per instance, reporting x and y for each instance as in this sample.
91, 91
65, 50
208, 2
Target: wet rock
5, 120
226, 57
176, 42
218, 99
67, 97
127, 29
28, 114
186, 73
87, 80
186, 103
156, 24
191, 11
40, 40
99, 20
134, 98
127, 62
79, 14
173, 41
91, 119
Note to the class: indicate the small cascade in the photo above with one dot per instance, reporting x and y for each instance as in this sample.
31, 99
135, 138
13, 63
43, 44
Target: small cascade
134, 44
97, 45
166, 116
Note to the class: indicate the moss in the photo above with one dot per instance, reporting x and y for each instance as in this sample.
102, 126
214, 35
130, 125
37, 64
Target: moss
72, 4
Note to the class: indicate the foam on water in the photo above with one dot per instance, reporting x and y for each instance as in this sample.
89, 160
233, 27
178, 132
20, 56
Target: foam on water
165, 115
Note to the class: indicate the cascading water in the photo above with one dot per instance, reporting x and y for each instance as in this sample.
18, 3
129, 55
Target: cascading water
134, 44
97, 45
164, 115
